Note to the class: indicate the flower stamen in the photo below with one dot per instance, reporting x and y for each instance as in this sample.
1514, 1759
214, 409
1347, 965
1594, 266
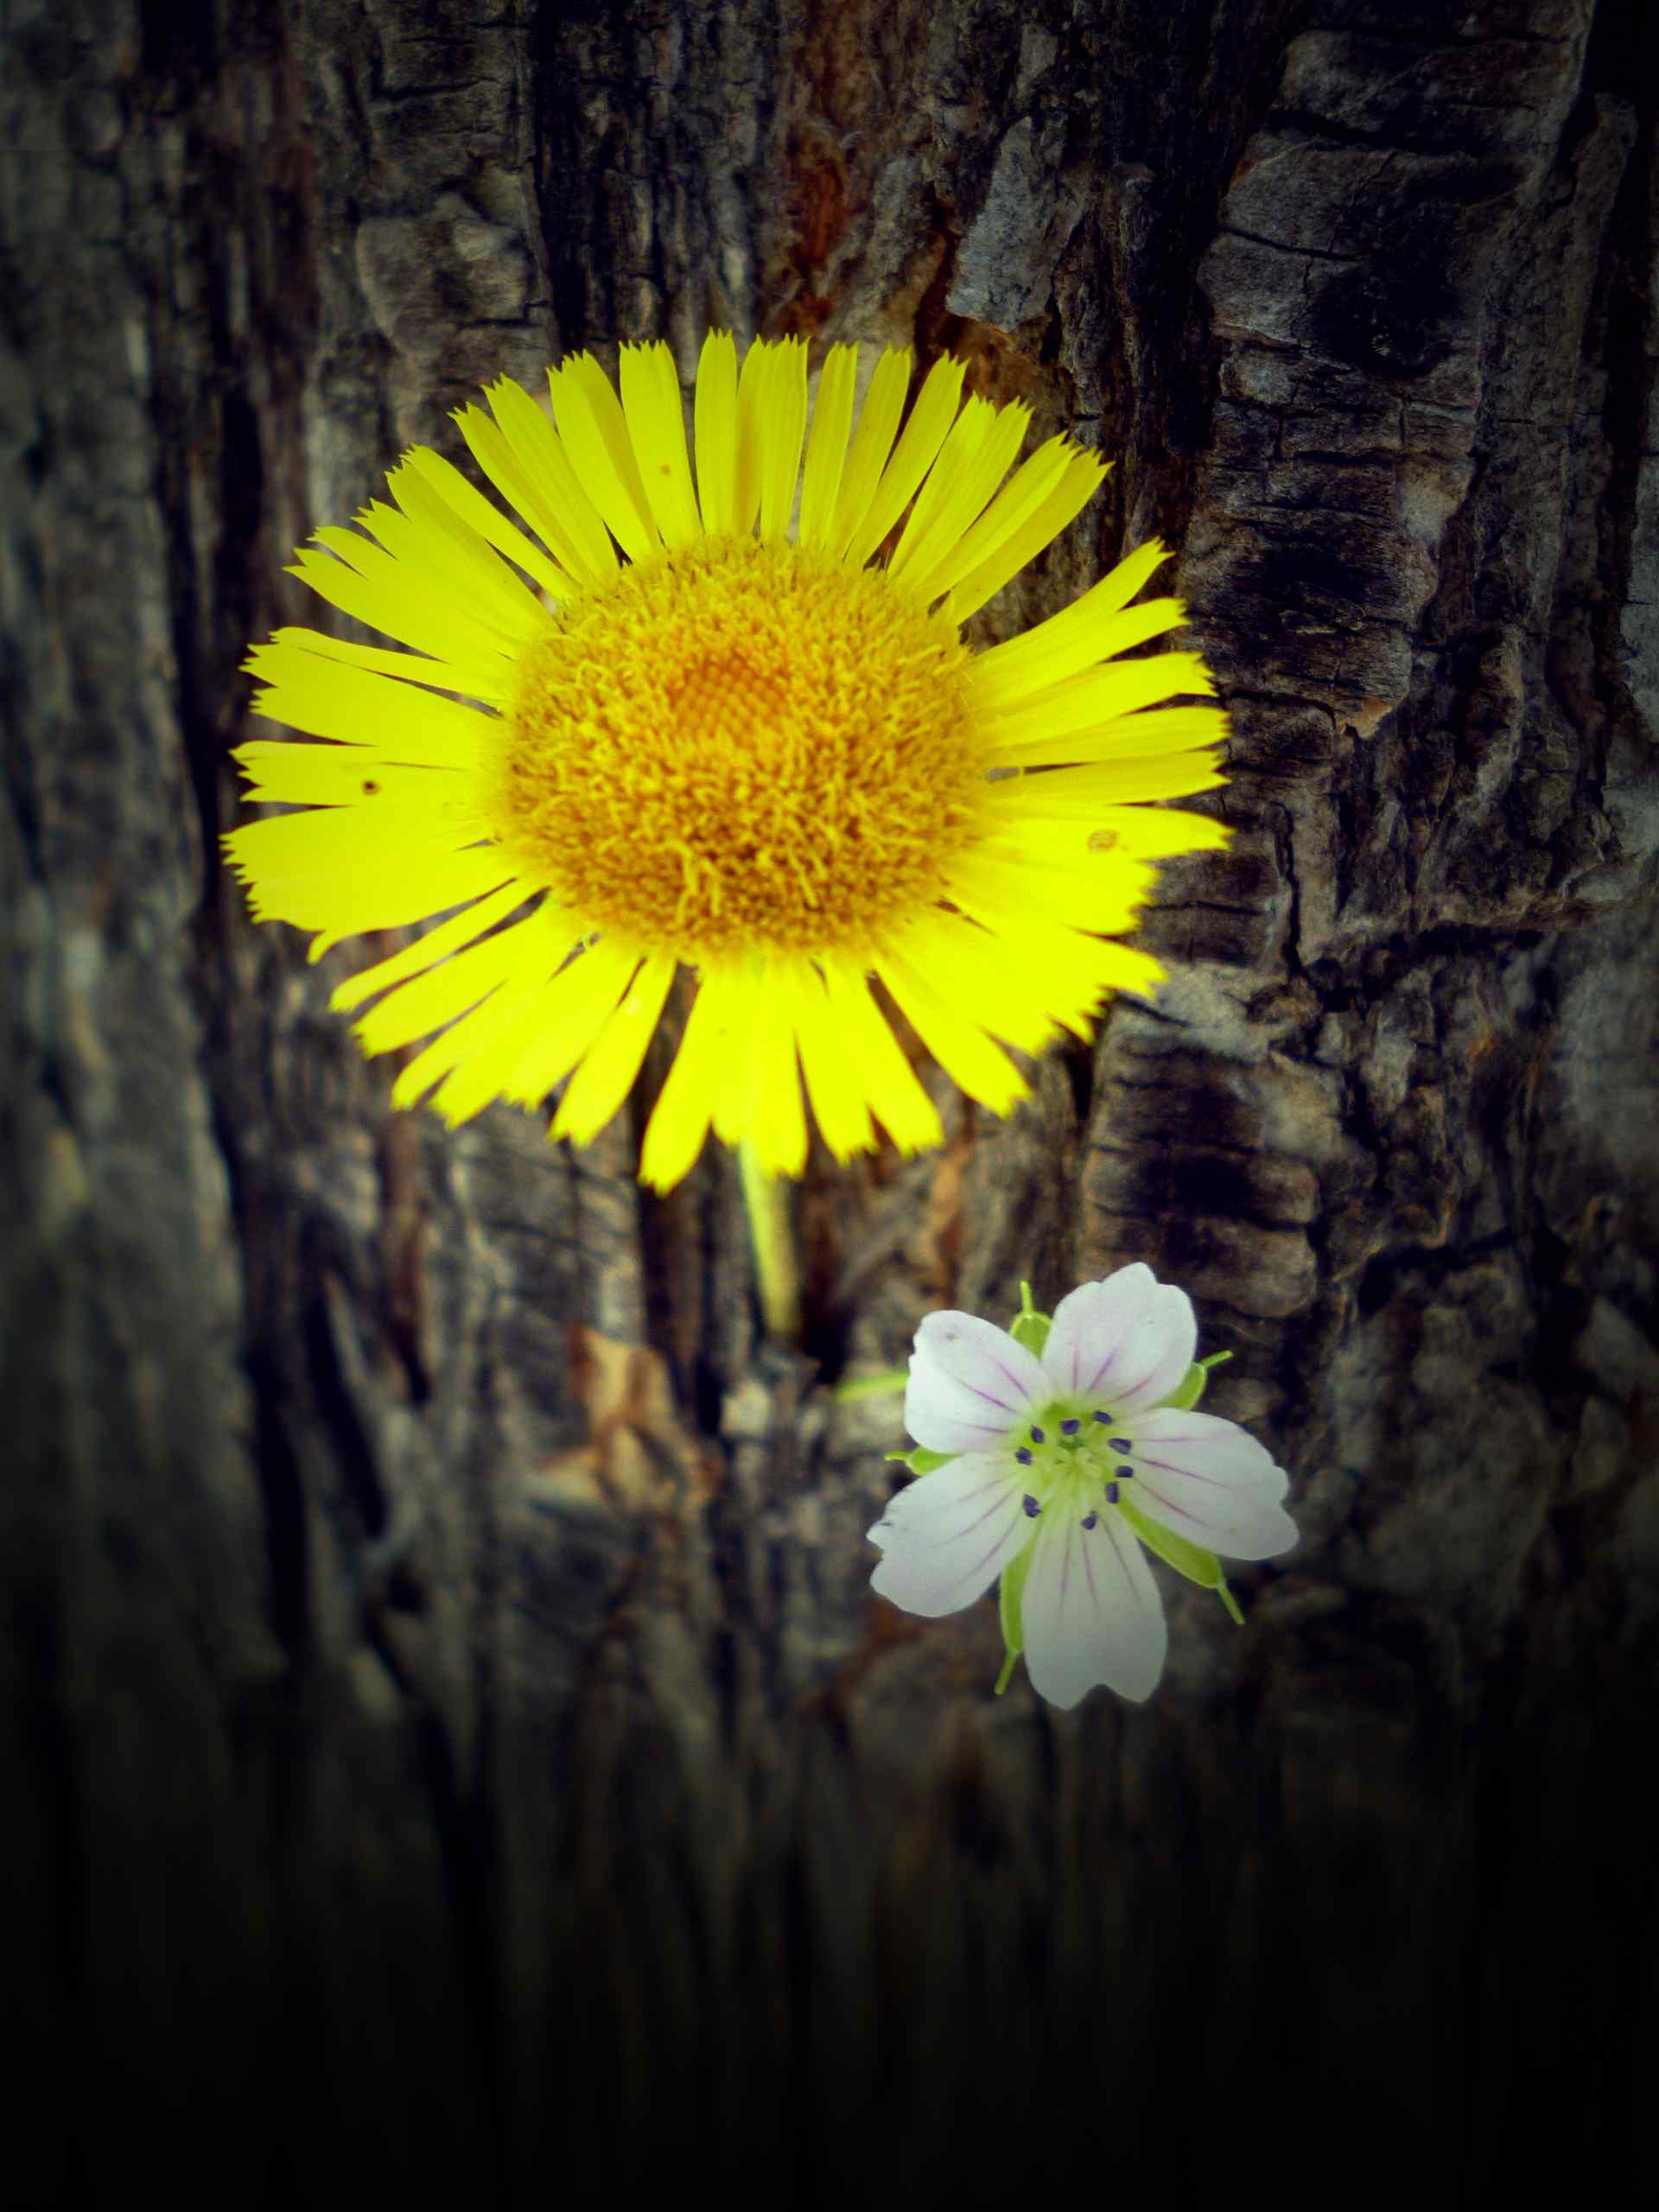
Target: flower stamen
742, 746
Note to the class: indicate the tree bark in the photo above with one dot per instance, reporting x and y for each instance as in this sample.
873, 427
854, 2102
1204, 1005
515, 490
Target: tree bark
450, 1739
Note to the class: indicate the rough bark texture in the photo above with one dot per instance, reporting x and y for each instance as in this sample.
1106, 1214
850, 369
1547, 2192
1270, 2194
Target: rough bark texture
451, 1739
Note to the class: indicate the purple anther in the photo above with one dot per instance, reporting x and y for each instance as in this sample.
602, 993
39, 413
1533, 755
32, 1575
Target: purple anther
1023, 1456
1105, 1420
1120, 1444
1090, 1519
1070, 1427
1032, 1507
1111, 1493
1037, 1436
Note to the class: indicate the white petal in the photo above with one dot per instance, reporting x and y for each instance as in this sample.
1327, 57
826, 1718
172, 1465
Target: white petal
1211, 1481
1125, 1342
970, 1384
949, 1534
1091, 1611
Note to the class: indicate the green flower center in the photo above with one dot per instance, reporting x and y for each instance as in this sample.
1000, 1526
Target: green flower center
1073, 1457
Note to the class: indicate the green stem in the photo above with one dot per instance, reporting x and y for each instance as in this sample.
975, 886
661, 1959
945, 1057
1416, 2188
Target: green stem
887, 1384
771, 1234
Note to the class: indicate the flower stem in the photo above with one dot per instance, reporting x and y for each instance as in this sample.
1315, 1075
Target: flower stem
771, 1234
887, 1384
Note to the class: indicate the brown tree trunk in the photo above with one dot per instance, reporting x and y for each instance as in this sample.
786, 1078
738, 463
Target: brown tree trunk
451, 1739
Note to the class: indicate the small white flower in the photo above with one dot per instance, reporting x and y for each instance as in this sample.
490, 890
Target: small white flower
1060, 1468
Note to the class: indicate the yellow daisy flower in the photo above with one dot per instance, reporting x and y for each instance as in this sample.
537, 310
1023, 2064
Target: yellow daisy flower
634, 734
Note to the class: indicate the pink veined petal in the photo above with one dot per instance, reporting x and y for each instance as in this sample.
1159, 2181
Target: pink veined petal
1211, 1481
947, 1537
1090, 1610
970, 1383
1126, 1342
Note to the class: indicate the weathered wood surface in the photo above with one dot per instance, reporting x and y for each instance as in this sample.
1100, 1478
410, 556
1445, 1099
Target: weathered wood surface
450, 1740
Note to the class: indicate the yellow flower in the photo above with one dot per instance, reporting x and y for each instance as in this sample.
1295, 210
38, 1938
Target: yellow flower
646, 738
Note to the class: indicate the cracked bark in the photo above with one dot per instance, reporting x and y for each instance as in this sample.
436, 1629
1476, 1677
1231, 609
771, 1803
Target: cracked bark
451, 1739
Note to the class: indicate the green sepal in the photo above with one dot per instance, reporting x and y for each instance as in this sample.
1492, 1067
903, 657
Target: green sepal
1196, 1564
1009, 1597
1191, 1388
885, 1385
1188, 1392
920, 1460
1028, 1326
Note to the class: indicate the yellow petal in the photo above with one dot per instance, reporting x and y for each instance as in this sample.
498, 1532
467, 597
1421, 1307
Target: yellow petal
1085, 475
450, 1049
872, 1053
1138, 626
390, 721
1077, 971
977, 971
958, 488
715, 431
1082, 888
426, 951
523, 492
826, 446
656, 420
389, 596
405, 668
1077, 793
755, 381
289, 879
914, 454
430, 1000
782, 427
1051, 718
1160, 729
759, 1100
878, 425
838, 1100
680, 1120
944, 481
573, 1006
1067, 642
574, 526
281, 771
595, 435
427, 538
497, 1046
606, 1073
475, 511
1142, 833
325, 841
960, 1047
1031, 486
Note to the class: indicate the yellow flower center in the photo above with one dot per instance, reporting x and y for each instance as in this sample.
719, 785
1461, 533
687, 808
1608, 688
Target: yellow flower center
742, 746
